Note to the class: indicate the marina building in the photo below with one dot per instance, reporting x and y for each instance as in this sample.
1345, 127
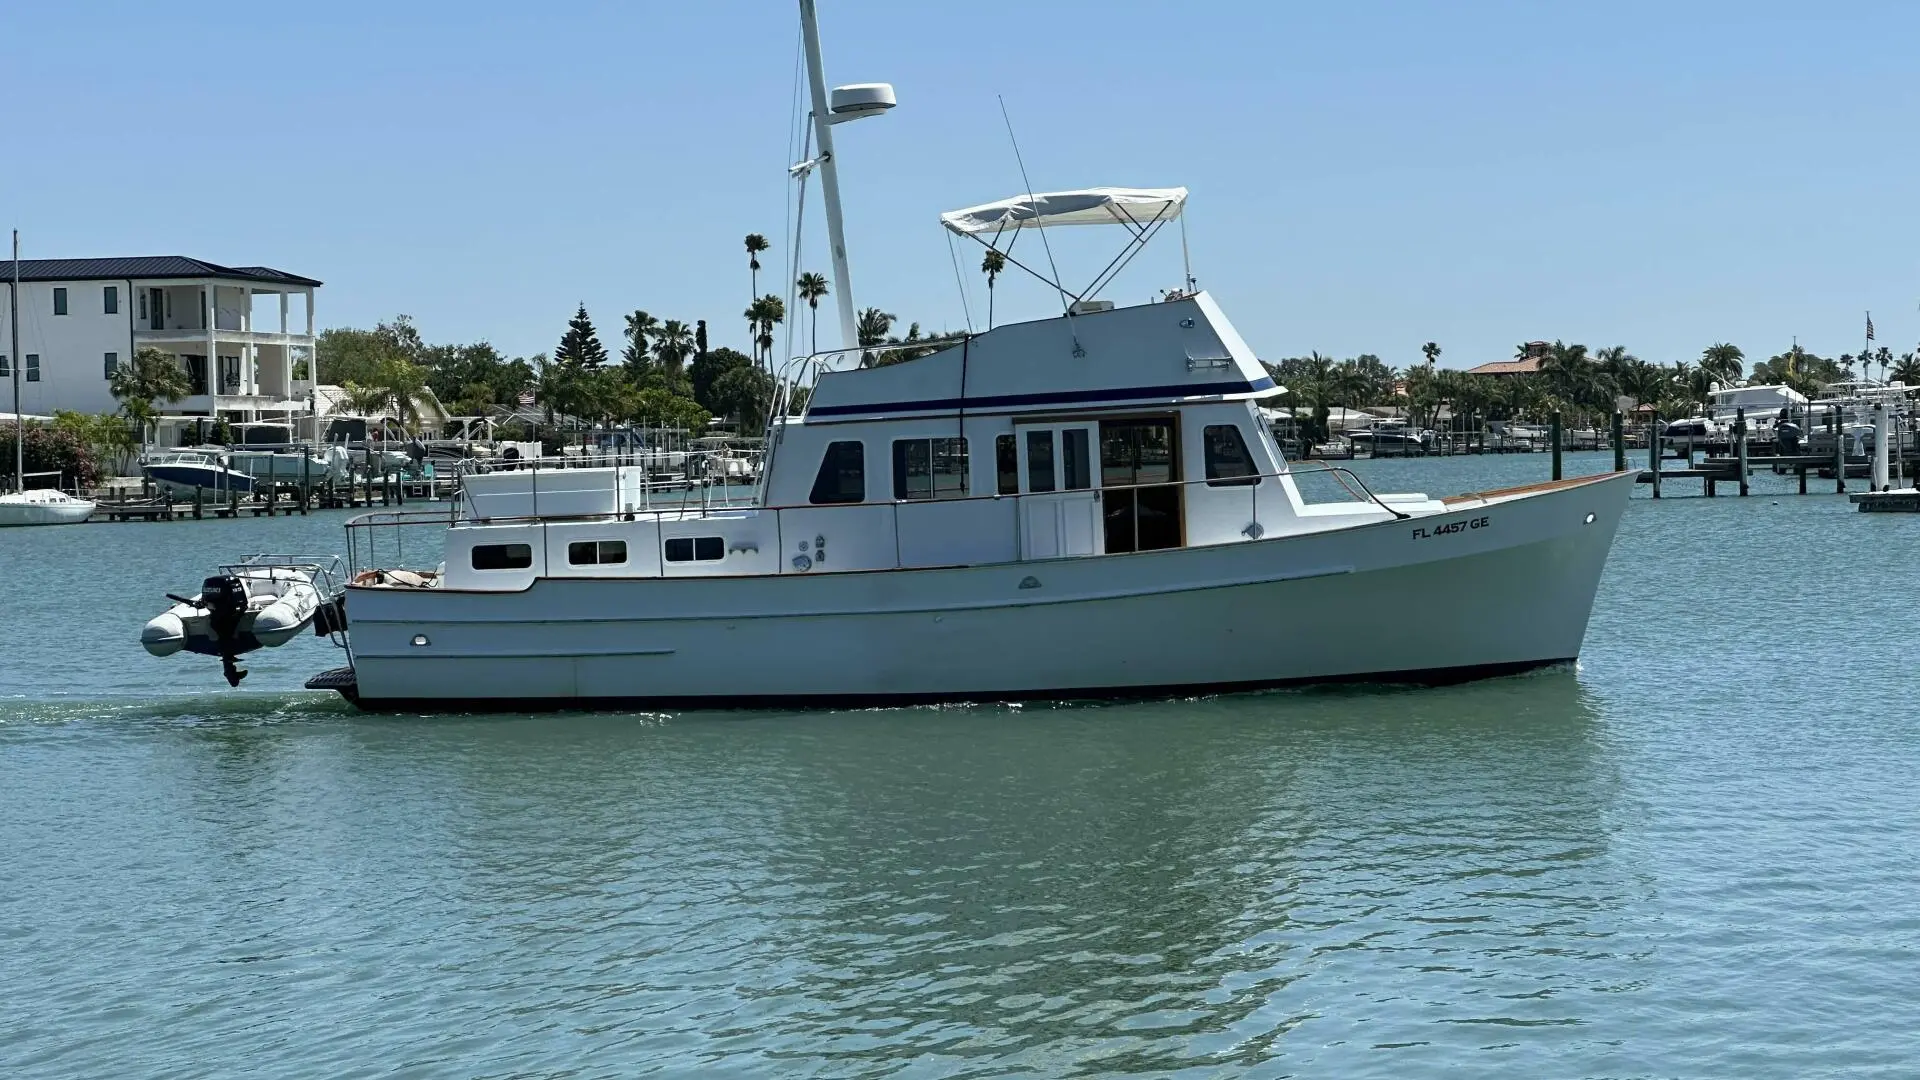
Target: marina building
243, 334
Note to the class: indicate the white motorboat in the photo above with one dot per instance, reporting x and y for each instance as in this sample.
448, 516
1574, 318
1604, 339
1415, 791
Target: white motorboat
44, 507
292, 467
263, 602
1088, 505
182, 471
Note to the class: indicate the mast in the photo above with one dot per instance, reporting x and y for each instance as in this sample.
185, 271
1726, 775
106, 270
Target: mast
829, 175
19, 422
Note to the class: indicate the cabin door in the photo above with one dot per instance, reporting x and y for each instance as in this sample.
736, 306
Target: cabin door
1140, 482
1059, 507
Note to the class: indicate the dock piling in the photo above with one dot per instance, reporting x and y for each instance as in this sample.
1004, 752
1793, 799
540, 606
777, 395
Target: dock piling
1839, 456
1556, 445
1619, 442
1653, 451
1740, 447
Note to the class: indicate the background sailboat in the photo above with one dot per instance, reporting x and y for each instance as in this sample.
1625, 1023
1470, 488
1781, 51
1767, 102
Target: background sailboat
20, 506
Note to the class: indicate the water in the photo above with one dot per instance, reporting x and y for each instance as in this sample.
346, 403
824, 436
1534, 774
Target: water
1691, 857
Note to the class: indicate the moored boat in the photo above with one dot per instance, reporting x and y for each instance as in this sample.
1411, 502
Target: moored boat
263, 602
40, 506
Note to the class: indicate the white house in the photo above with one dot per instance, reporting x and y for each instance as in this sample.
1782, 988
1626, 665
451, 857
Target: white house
80, 318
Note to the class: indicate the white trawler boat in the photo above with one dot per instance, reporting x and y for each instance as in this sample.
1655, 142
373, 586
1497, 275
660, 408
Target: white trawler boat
1087, 505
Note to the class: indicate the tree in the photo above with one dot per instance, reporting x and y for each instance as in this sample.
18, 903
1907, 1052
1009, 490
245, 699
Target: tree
636, 355
655, 407
812, 287
469, 378
671, 344
1907, 370
745, 393
700, 338
347, 355
755, 245
708, 369
580, 346
394, 388
1723, 362
1431, 350
762, 316
871, 328
991, 265
151, 376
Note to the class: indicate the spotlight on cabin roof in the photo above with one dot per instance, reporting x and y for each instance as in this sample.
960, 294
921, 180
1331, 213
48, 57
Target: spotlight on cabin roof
860, 99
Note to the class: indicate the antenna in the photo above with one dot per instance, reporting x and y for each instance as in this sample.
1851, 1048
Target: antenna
1065, 308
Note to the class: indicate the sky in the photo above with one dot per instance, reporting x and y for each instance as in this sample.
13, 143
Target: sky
1365, 176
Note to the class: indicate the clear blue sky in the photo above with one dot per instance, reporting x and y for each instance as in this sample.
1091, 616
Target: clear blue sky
1365, 176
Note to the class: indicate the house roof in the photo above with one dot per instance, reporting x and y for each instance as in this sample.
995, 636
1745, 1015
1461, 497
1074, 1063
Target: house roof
144, 266
1508, 367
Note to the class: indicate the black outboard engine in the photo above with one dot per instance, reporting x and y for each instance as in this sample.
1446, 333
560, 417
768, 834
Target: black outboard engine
1787, 434
225, 601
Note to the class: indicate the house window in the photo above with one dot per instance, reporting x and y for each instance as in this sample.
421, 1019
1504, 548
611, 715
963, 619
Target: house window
1228, 461
59, 301
597, 552
1006, 465
502, 556
6, 370
33, 367
930, 469
113, 363
143, 305
843, 474
110, 300
696, 549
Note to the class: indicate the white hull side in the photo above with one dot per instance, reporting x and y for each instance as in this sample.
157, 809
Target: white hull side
1407, 598
12, 514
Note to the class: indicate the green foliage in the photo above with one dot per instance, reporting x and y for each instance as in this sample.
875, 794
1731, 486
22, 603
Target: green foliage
812, 288
50, 449
744, 393
346, 355
708, 370
580, 346
151, 376
636, 354
392, 388
106, 436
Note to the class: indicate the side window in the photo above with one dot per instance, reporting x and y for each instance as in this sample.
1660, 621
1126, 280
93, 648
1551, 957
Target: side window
110, 300
1039, 461
33, 367
597, 552
502, 556
930, 469
1075, 462
59, 301
113, 363
696, 549
1228, 460
1006, 465
843, 475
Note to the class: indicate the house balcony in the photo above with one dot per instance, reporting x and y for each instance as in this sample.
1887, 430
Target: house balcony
183, 338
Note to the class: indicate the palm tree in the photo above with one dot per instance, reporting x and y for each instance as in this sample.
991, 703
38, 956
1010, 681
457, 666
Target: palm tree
1884, 357
762, 316
991, 265
151, 376
871, 329
671, 343
1431, 350
640, 327
812, 287
1723, 362
393, 387
755, 245
1908, 369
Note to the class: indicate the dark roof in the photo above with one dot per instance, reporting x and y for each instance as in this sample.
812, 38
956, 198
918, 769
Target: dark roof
1508, 367
144, 266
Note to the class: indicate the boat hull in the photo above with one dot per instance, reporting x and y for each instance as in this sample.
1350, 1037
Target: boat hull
185, 479
21, 514
1494, 587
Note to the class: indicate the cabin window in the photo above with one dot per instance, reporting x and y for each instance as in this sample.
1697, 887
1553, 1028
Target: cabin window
33, 367
59, 301
597, 552
1228, 460
113, 363
697, 548
502, 556
110, 300
930, 469
843, 474
1039, 461
1075, 462
1006, 464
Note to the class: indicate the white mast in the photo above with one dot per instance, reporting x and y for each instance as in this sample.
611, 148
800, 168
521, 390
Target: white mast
13, 324
849, 103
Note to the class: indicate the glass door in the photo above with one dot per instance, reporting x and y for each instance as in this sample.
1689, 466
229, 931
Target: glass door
1059, 506
1140, 478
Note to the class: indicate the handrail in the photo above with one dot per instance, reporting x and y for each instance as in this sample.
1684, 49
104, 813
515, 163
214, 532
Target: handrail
1346, 477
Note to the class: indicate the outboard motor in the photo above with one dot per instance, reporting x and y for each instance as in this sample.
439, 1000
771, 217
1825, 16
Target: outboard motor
1787, 434
225, 601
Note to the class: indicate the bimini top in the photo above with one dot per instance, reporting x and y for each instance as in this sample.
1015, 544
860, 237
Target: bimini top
1136, 207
